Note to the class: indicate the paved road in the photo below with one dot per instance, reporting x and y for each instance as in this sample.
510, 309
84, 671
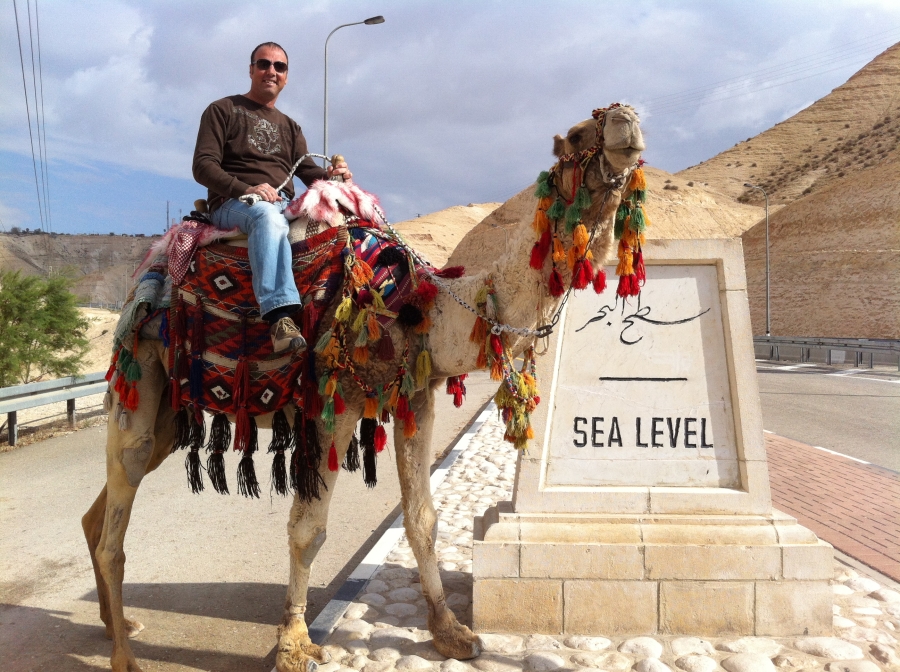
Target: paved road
855, 412
205, 573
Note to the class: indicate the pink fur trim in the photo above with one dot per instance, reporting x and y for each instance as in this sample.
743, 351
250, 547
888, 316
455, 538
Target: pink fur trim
207, 234
324, 200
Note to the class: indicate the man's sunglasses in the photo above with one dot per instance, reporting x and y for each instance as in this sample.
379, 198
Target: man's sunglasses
265, 64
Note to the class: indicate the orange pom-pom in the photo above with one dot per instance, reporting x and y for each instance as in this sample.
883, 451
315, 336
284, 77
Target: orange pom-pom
371, 408
409, 425
559, 252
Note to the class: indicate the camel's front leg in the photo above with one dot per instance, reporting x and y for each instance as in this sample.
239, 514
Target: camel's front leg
92, 521
129, 454
414, 457
306, 534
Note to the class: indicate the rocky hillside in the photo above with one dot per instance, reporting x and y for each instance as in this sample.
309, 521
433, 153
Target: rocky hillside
854, 128
101, 265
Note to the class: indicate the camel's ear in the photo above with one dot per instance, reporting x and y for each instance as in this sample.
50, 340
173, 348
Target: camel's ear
558, 145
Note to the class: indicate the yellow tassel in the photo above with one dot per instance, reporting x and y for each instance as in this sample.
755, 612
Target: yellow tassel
331, 386
589, 255
343, 312
643, 240
571, 258
424, 326
409, 426
559, 252
580, 236
481, 361
529, 432
496, 369
423, 367
373, 327
637, 181
359, 321
371, 408
378, 300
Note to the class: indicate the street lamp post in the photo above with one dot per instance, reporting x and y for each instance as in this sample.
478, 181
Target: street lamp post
768, 296
369, 22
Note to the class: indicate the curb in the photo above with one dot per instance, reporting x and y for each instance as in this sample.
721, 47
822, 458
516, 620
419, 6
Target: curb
327, 619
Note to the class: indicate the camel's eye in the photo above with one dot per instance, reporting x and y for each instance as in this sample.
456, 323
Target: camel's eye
575, 138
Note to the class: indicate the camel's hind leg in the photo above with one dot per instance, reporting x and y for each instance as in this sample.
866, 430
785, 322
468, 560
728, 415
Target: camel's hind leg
129, 455
414, 457
306, 534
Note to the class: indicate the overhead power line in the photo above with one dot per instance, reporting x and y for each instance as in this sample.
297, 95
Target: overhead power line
774, 76
28, 114
37, 25
37, 114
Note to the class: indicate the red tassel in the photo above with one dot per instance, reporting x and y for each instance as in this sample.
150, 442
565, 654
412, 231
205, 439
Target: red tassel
451, 272
624, 286
582, 275
496, 344
131, 398
537, 261
332, 458
409, 425
380, 438
241, 430
634, 285
310, 316
556, 284
425, 293
339, 405
640, 271
174, 394
458, 398
600, 281
110, 370
402, 407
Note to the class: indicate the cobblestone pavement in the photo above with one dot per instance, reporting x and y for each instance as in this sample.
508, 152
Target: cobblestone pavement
853, 506
384, 628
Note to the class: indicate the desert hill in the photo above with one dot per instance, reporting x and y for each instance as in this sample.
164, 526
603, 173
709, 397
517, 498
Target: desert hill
855, 127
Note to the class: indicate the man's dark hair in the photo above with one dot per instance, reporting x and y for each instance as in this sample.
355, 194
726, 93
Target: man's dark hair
267, 44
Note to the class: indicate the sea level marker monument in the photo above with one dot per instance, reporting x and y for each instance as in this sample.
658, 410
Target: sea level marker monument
643, 505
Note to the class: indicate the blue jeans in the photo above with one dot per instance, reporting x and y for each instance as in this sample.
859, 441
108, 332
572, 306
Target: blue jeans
268, 248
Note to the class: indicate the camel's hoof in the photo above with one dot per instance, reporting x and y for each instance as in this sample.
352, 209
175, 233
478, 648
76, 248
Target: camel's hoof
304, 657
124, 663
133, 627
457, 642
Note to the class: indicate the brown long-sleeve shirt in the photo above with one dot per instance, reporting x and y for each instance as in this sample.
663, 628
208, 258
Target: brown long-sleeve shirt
242, 144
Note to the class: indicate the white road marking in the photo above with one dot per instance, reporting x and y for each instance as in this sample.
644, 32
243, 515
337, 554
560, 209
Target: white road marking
834, 452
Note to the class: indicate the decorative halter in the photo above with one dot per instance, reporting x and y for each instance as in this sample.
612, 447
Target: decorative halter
563, 213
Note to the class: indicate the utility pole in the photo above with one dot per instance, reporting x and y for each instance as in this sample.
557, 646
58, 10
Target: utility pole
167, 217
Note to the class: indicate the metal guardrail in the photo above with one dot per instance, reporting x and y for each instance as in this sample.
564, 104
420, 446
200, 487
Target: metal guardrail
860, 346
30, 395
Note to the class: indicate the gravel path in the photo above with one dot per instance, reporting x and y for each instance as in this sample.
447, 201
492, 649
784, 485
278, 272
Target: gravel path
384, 629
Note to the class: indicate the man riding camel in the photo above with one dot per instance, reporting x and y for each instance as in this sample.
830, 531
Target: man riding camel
244, 146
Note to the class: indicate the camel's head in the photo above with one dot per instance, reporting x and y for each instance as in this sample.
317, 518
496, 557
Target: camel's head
614, 131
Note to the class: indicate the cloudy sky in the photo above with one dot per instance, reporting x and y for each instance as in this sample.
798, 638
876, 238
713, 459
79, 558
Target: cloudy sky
445, 103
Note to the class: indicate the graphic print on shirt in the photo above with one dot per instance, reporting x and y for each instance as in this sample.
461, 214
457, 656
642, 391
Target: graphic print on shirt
263, 134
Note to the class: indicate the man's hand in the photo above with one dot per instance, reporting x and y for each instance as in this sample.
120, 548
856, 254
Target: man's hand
341, 170
265, 192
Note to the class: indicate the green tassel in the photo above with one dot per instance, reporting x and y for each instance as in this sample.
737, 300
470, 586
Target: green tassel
328, 415
362, 338
556, 210
582, 199
381, 399
621, 216
639, 196
124, 359
323, 381
408, 386
323, 342
573, 216
134, 371
543, 185
638, 224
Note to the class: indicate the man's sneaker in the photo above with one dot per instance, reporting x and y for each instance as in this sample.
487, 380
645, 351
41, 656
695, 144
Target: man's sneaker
286, 336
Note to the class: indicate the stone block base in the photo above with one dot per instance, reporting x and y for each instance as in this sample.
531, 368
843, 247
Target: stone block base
624, 575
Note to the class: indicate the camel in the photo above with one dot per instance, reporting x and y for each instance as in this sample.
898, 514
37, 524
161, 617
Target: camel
524, 302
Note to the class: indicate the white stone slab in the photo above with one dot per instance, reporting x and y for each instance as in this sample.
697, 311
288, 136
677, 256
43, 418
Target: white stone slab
642, 394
